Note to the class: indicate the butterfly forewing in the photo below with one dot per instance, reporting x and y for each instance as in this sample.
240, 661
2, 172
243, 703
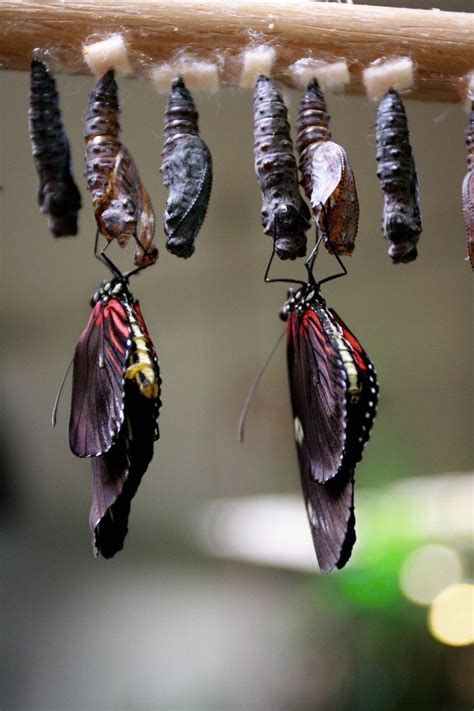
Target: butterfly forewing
97, 407
318, 395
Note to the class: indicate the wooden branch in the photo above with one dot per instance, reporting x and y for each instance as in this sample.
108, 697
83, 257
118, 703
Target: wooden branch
440, 43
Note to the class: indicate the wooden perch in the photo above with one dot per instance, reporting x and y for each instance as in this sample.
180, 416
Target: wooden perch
440, 43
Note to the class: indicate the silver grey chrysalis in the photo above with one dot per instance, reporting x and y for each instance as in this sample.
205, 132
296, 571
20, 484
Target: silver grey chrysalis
285, 215
58, 194
401, 220
187, 172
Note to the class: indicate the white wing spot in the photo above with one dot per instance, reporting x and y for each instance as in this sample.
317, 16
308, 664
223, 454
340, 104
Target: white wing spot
299, 434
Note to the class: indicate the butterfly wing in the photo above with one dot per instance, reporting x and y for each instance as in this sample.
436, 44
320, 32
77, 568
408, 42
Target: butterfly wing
318, 395
97, 406
117, 473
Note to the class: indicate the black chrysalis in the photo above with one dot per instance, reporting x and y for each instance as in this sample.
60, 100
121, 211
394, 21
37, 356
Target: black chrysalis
326, 174
285, 215
401, 220
123, 209
58, 194
187, 172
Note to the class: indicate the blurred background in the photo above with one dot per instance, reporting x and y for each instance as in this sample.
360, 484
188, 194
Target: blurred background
216, 602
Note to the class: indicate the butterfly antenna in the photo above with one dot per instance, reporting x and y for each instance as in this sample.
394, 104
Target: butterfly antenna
253, 388
58, 396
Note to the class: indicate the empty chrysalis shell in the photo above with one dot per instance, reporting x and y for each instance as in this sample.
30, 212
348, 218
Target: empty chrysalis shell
58, 195
123, 209
285, 215
326, 174
187, 172
401, 220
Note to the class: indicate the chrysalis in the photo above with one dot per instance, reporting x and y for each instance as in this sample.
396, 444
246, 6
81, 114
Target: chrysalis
401, 221
285, 215
187, 172
122, 207
326, 174
58, 194
468, 189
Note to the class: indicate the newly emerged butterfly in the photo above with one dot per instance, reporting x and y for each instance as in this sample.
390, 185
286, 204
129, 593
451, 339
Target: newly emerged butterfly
285, 215
187, 172
334, 393
401, 221
58, 195
326, 174
123, 209
468, 188
114, 408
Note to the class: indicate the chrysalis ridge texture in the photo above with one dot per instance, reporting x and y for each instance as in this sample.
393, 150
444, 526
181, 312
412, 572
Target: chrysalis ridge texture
123, 209
326, 174
401, 220
187, 172
58, 194
285, 215
468, 189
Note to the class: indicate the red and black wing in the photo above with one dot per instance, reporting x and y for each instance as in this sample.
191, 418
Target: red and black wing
117, 473
331, 430
97, 406
318, 395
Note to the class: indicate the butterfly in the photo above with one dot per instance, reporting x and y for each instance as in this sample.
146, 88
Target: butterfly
114, 408
468, 188
334, 394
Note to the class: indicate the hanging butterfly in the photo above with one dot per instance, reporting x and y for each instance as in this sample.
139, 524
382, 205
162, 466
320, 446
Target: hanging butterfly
187, 172
285, 215
114, 408
334, 394
122, 206
401, 220
326, 174
58, 195
468, 188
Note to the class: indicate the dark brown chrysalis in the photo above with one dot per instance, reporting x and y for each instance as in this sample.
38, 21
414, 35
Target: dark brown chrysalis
285, 215
468, 189
401, 220
187, 172
58, 195
122, 207
326, 174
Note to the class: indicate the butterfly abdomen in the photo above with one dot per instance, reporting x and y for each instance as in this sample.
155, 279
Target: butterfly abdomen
142, 364
285, 215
